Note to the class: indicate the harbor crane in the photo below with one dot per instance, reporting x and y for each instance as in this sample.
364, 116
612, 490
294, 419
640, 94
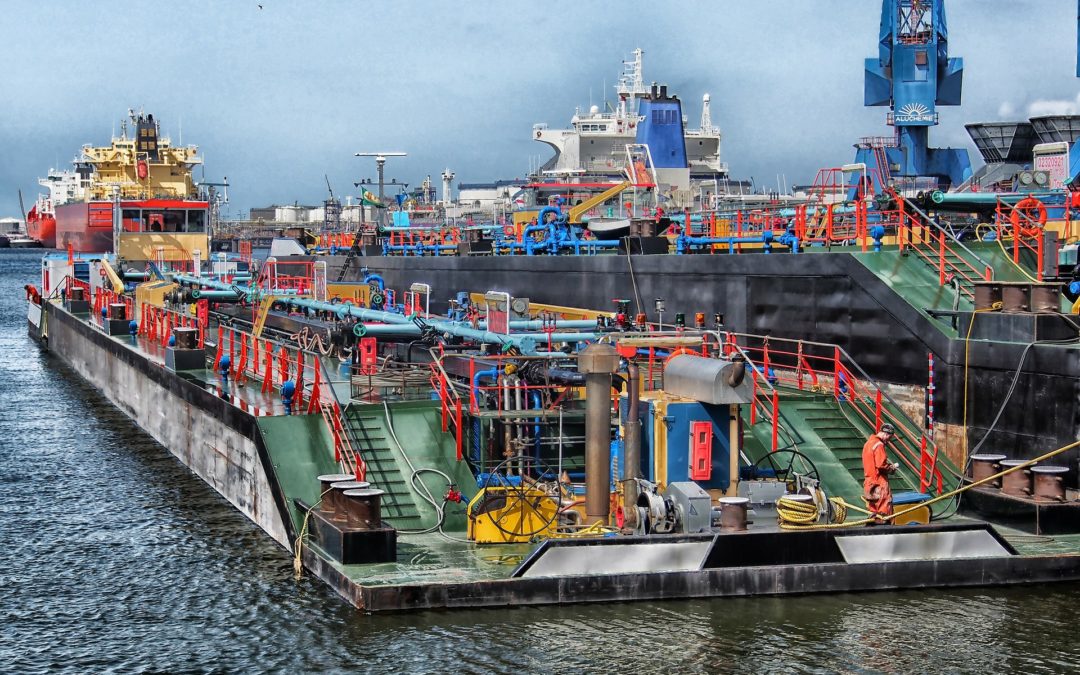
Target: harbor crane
913, 74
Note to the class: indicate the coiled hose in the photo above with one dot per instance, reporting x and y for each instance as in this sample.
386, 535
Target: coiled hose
794, 514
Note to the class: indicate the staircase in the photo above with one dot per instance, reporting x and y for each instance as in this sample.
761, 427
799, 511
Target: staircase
354, 250
367, 433
941, 252
832, 438
882, 159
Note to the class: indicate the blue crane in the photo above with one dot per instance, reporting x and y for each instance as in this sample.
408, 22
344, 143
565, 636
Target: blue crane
913, 74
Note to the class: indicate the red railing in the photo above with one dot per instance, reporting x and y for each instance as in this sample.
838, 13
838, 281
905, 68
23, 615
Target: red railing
428, 236
1015, 222
157, 323
795, 363
337, 239
102, 298
450, 405
254, 359
938, 250
287, 278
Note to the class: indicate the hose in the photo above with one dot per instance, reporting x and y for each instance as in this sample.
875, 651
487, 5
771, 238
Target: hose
425, 493
1016, 264
939, 498
794, 514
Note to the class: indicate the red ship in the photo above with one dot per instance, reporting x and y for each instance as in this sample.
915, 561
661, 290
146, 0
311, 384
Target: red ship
136, 184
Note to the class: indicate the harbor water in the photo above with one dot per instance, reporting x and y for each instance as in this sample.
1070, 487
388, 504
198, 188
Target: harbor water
114, 557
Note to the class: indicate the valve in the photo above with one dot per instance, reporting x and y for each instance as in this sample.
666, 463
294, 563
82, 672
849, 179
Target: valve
288, 392
622, 314
223, 367
453, 495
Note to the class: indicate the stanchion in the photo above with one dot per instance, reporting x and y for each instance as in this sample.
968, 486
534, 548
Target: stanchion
217, 352
299, 379
315, 393
268, 379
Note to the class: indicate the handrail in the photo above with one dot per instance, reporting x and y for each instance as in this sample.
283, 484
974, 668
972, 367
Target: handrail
1018, 239
270, 360
761, 374
442, 383
926, 217
847, 363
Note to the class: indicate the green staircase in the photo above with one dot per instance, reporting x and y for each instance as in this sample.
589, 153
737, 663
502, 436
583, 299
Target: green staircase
831, 434
366, 429
418, 429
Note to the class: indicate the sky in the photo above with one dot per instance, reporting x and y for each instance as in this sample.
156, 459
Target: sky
275, 98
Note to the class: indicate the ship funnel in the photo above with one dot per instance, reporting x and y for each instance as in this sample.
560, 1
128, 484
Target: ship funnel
661, 129
1003, 141
1057, 128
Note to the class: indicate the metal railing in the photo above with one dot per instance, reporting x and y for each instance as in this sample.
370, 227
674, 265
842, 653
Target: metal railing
828, 368
939, 249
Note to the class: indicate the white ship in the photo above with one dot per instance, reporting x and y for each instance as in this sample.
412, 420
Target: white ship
596, 142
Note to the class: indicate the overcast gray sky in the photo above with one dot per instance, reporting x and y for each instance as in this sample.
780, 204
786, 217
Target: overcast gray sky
278, 96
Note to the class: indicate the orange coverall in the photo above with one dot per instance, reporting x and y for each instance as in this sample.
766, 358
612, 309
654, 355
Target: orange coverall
876, 470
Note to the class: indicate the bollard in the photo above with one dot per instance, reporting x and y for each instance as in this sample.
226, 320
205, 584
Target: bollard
341, 505
984, 466
363, 507
1049, 482
328, 503
733, 513
1017, 483
186, 338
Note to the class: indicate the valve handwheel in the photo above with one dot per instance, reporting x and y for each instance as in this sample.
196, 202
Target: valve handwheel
520, 493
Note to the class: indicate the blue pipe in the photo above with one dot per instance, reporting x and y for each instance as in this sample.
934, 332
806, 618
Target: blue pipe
408, 329
227, 296
536, 325
546, 210
526, 342
526, 236
683, 243
370, 276
493, 373
537, 405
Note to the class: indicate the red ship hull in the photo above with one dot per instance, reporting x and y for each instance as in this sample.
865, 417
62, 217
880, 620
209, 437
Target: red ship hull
87, 227
42, 227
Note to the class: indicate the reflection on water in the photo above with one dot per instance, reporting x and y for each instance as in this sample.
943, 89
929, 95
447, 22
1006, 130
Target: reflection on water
114, 556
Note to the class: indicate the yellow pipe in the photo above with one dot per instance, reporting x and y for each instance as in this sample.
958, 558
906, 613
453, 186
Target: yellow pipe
576, 212
113, 277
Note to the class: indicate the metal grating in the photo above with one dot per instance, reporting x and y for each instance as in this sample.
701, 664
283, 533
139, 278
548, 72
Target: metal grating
1003, 141
1057, 128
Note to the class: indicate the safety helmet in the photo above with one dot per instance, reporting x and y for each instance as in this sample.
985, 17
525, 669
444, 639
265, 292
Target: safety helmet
888, 429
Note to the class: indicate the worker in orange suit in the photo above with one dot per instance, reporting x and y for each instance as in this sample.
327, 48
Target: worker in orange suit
876, 471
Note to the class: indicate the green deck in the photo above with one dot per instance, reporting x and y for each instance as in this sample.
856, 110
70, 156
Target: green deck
417, 426
917, 283
831, 435
300, 450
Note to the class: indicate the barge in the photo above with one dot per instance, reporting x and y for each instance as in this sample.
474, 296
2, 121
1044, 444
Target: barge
488, 456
